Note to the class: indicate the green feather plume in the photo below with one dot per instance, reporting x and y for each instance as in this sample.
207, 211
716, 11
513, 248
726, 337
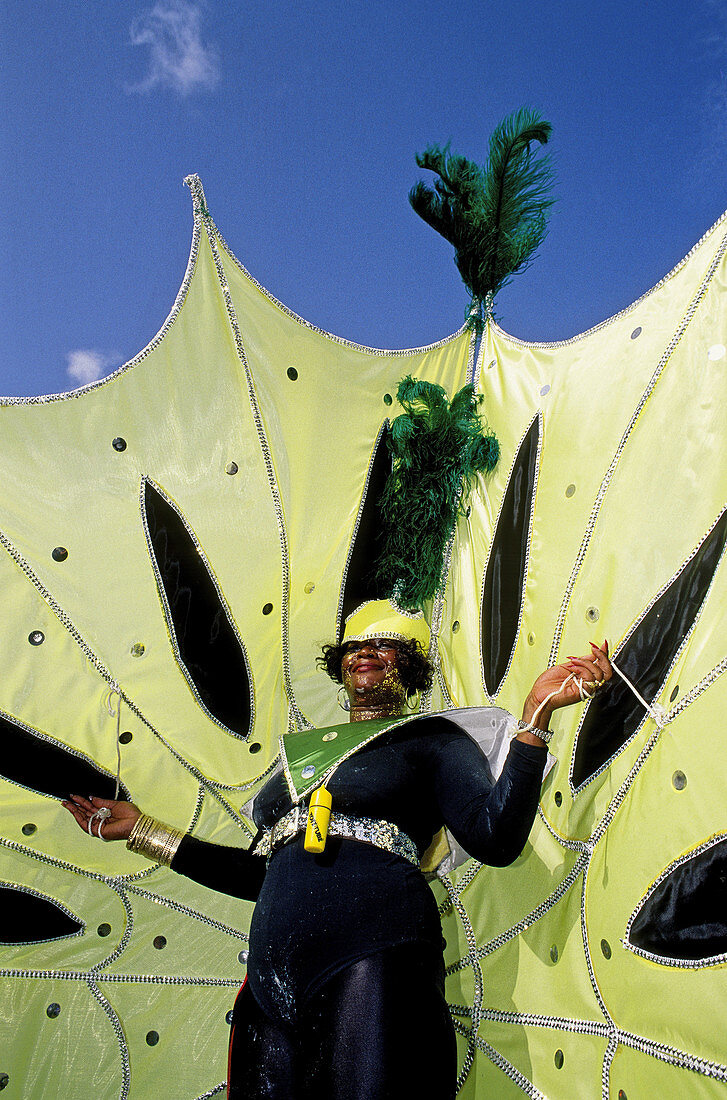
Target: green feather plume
496, 215
437, 448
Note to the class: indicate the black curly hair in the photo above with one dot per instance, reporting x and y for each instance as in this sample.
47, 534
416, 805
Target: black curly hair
414, 666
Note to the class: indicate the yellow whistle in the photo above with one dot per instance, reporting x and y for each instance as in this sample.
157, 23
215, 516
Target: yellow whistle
319, 814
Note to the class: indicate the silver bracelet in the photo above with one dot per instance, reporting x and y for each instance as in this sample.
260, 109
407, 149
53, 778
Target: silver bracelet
544, 735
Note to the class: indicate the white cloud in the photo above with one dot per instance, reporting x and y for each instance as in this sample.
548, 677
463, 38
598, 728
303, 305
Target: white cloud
178, 58
88, 365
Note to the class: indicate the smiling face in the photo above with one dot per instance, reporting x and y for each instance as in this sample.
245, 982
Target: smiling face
371, 676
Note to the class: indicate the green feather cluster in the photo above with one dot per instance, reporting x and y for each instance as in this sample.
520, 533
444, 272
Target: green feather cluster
437, 447
496, 215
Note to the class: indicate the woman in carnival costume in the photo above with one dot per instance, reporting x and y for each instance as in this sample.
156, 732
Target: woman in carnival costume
344, 996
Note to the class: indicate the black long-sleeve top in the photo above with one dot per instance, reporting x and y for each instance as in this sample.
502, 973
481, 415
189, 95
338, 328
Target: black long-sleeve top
318, 913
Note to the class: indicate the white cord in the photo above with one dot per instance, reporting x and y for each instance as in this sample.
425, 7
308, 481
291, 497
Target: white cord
656, 711
115, 690
581, 691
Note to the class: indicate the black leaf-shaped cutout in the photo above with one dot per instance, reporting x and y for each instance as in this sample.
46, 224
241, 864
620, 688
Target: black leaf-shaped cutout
205, 641
646, 657
502, 591
684, 916
359, 584
29, 918
49, 768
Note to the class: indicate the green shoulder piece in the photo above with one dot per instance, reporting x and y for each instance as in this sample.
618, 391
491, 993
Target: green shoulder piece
310, 756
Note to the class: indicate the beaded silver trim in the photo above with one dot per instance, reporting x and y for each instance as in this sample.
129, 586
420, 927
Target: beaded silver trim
499, 1060
674, 1056
389, 634
565, 842
167, 903
621, 793
559, 1023
197, 810
683, 644
578, 868
473, 961
473, 869
435, 631
213, 1092
194, 185
662, 960
121, 979
151, 346
382, 834
120, 1039
608, 1057
116, 885
525, 922
697, 690
615, 1036
441, 681
605, 483
166, 610
22, 889
64, 619
531, 520
212, 237
474, 360
594, 983
70, 749
592, 1027
623, 312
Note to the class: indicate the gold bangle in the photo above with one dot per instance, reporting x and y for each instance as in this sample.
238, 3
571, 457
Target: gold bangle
153, 839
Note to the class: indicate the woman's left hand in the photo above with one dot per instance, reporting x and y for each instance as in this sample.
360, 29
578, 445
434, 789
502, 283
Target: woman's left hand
593, 670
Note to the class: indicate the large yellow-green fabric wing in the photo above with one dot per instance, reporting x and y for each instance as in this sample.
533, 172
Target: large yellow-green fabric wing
179, 539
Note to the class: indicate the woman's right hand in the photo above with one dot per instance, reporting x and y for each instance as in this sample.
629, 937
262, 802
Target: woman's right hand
116, 826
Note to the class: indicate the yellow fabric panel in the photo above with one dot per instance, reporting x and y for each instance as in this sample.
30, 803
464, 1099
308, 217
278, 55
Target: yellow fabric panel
57, 1056
631, 1071
668, 823
321, 428
632, 421
189, 1058
530, 1053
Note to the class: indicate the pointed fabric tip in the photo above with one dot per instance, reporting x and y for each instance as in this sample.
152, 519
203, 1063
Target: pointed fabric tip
199, 203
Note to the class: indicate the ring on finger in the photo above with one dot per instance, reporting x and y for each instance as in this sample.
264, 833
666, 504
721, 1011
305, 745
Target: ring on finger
590, 687
102, 815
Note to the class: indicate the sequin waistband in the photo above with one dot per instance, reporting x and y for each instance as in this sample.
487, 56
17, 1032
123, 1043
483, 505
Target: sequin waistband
382, 834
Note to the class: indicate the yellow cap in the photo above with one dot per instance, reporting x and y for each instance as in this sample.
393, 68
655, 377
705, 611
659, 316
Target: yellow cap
383, 619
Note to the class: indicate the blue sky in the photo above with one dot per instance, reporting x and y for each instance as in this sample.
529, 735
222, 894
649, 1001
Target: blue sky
303, 120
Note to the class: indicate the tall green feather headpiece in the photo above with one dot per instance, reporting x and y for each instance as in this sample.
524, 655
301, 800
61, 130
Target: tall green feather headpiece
494, 215
438, 447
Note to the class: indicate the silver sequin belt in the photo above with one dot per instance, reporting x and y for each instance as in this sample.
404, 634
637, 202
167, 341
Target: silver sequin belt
382, 834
